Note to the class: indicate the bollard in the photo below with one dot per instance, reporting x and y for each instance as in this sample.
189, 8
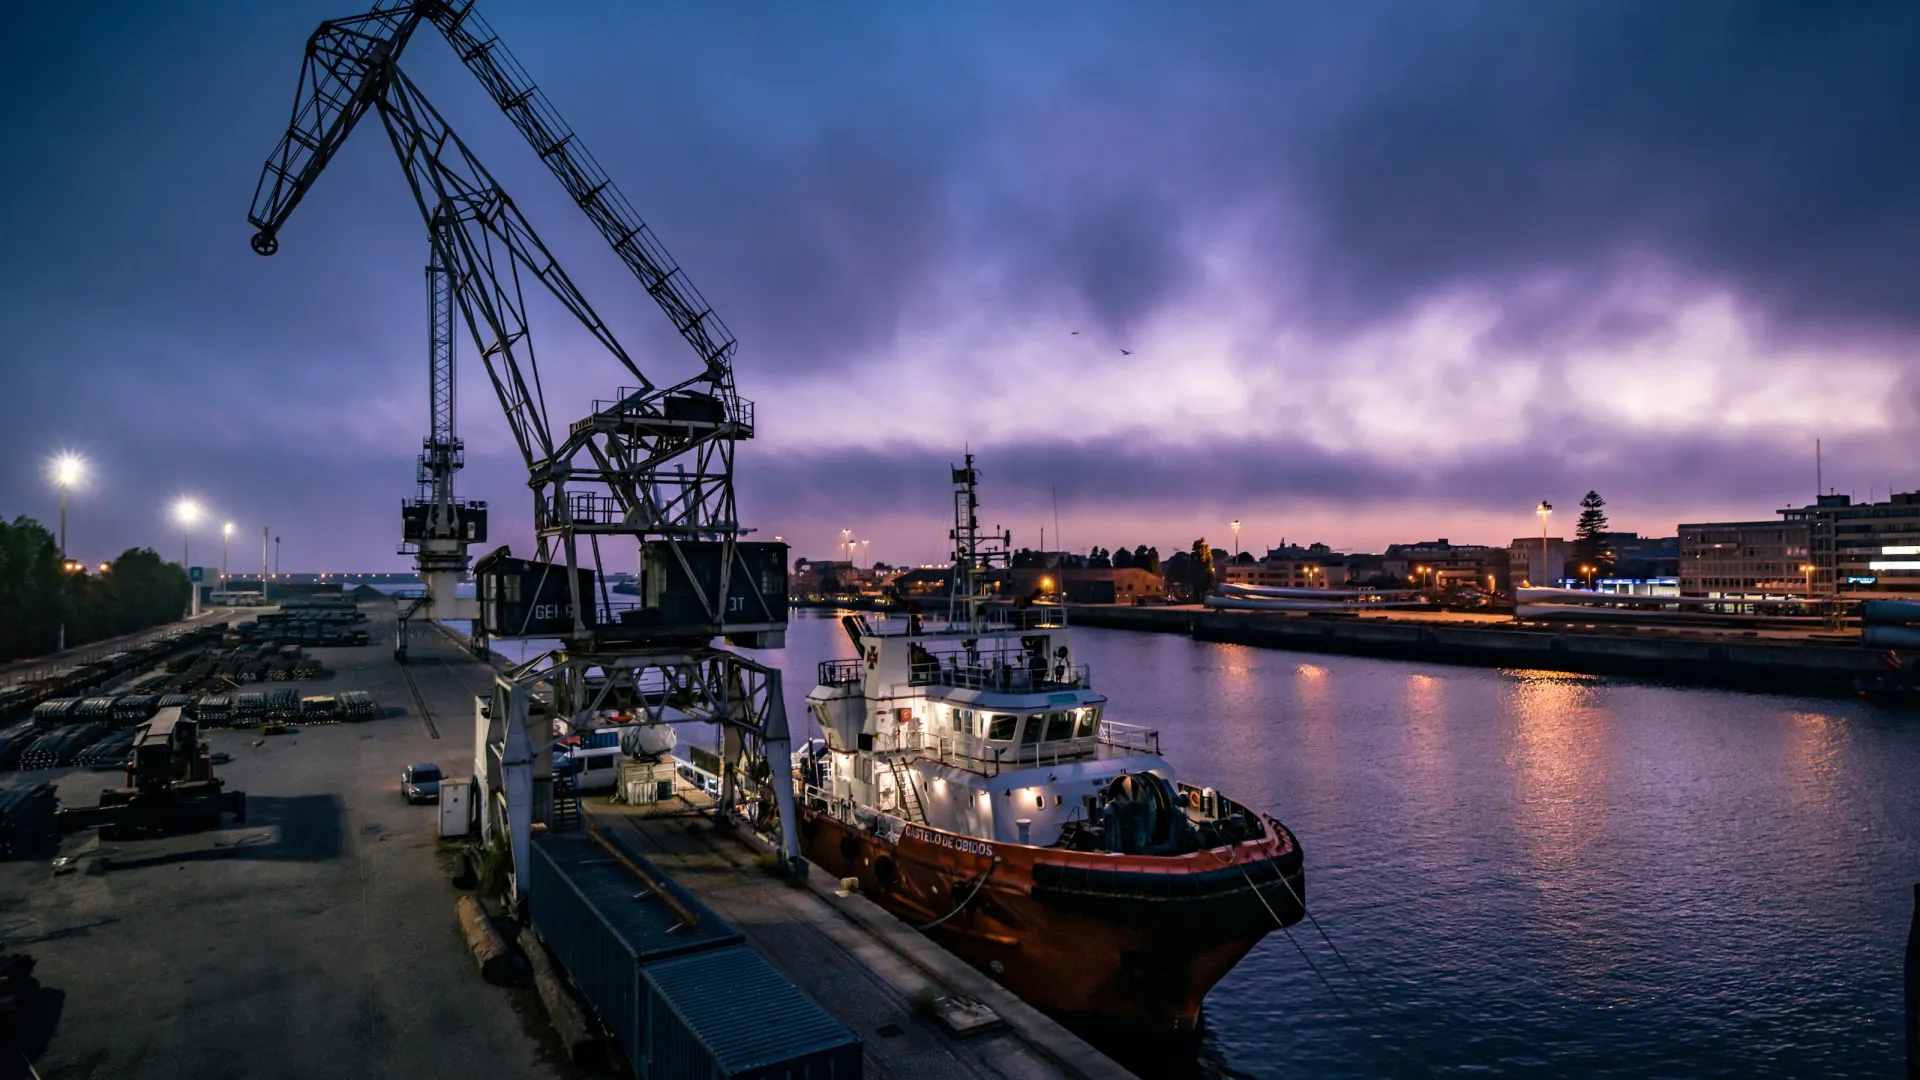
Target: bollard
1913, 990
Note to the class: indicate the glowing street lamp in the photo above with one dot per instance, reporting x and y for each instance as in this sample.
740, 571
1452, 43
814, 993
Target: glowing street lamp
1544, 509
846, 542
68, 470
1807, 569
186, 512
226, 533
1236, 538
1588, 570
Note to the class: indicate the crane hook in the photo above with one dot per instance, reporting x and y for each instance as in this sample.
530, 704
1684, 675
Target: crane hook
265, 243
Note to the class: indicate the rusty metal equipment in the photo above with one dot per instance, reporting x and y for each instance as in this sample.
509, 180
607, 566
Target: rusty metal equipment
170, 787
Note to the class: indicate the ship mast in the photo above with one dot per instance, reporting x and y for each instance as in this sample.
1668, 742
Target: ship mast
975, 557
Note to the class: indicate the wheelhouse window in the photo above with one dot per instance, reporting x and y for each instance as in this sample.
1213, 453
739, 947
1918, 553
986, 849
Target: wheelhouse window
1088, 723
1059, 726
1030, 734
1000, 727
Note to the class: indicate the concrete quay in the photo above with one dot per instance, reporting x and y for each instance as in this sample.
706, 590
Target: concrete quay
868, 969
1789, 662
317, 939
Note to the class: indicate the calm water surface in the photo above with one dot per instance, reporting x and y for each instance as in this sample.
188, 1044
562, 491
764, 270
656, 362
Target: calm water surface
1537, 874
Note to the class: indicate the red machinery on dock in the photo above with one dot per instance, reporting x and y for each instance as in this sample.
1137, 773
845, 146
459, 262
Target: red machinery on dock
170, 787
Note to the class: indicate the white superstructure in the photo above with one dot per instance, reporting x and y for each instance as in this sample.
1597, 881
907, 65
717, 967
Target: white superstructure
982, 722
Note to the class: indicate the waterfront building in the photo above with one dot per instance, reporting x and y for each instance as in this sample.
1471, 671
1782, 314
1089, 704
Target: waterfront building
1090, 584
1316, 566
1861, 549
1441, 563
1529, 565
1641, 557
1648, 586
1744, 559
925, 582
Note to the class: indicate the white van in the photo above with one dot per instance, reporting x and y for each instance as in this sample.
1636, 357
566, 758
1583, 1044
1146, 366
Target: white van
597, 767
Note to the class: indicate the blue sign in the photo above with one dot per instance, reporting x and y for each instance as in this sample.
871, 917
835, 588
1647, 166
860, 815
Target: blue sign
196, 573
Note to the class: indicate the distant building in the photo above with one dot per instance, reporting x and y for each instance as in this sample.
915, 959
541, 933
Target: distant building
1862, 548
1744, 558
925, 582
836, 578
1529, 564
1090, 585
1441, 563
1316, 566
1643, 557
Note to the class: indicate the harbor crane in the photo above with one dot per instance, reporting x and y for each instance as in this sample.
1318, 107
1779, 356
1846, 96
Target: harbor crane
651, 466
436, 526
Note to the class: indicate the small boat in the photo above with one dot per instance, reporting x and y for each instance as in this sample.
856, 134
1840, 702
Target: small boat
972, 782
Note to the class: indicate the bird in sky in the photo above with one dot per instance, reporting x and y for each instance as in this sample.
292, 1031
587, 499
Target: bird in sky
1126, 352
1076, 333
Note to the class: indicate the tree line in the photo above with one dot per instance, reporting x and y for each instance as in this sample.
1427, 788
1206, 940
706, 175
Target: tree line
1140, 557
138, 590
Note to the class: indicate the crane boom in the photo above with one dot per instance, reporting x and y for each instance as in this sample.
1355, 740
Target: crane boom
334, 93
339, 82
481, 49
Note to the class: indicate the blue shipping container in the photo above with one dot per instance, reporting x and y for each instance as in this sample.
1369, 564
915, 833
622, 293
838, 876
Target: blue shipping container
602, 923
726, 1014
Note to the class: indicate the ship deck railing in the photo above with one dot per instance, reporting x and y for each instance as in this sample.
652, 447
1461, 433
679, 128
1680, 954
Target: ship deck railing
1000, 677
842, 672
848, 812
957, 673
1129, 737
989, 759
970, 755
997, 618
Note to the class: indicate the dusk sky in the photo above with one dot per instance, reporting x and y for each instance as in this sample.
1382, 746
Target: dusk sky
1387, 272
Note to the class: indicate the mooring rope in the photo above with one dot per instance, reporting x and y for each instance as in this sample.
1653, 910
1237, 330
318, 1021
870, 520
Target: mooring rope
1351, 973
978, 886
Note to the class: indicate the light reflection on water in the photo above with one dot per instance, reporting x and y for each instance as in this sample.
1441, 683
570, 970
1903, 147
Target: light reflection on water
1541, 875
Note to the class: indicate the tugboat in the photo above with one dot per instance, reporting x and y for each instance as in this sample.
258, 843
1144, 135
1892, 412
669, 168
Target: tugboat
971, 782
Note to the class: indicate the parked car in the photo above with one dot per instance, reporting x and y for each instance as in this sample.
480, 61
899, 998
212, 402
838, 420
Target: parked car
421, 783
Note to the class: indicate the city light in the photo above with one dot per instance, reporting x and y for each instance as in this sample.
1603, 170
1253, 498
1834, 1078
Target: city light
69, 470
1544, 509
186, 512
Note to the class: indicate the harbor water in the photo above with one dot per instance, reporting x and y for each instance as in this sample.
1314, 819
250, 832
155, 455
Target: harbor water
1528, 874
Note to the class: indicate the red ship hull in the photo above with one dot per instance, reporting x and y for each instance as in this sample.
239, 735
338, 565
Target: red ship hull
1093, 938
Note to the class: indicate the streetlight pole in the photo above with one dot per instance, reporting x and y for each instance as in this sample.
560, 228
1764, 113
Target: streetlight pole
1236, 538
1545, 508
866, 552
187, 512
67, 469
226, 533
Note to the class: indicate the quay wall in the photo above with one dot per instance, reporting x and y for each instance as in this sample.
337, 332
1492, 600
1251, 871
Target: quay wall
1804, 667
